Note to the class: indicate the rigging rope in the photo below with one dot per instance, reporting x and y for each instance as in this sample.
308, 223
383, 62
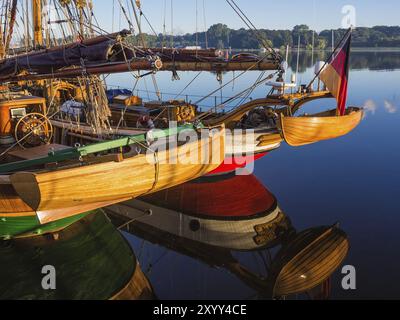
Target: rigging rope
172, 24
164, 25
231, 81
254, 30
205, 24
197, 26
187, 86
206, 114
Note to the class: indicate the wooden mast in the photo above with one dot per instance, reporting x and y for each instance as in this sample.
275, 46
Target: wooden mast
27, 30
13, 15
2, 44
37, 23
80, 5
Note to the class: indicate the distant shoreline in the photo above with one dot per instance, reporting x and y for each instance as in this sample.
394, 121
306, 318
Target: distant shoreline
354, 49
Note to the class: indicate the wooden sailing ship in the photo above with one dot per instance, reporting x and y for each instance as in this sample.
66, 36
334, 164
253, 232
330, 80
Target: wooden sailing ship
85, 270
104, 54
57, 182
48, 181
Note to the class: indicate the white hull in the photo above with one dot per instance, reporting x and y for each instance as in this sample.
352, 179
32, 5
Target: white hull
247, 143
231, 233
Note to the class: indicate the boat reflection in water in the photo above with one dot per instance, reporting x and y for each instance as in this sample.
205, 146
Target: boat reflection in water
215, 219
91, 258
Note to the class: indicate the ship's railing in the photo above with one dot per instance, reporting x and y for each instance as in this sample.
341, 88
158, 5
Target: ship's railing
207, 104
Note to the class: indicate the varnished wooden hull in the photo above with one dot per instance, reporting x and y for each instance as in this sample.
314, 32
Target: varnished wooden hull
18, 220
241, 149
299, 131
99, 185
315, 253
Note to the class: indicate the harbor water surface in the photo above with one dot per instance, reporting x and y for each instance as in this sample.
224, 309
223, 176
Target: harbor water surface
353, 181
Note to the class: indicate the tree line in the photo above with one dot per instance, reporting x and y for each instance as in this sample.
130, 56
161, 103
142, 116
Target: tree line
221, 37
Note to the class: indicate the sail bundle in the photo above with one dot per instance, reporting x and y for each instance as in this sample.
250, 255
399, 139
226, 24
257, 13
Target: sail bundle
103, 54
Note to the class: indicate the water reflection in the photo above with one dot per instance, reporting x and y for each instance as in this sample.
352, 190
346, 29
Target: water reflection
374, 60
91, 259
229, 222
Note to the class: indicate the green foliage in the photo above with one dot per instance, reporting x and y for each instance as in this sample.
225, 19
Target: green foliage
220, 36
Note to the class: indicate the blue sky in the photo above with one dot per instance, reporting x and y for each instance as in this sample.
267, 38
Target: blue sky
271, 14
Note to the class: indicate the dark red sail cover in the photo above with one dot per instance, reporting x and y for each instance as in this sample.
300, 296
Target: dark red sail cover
335, 74
91, 52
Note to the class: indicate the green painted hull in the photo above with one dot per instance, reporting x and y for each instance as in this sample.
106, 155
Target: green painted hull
29, 226
91, 258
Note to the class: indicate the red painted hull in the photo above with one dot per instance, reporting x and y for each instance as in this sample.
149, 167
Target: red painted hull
237, 162
225, 196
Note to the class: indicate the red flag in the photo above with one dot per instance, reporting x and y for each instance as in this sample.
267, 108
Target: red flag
335, 74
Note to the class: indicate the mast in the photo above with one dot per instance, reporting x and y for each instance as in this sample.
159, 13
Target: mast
27, 30
11, 24
138, 23
37, 23
2, 45
81, 4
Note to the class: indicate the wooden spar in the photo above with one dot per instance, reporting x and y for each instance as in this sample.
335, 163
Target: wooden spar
209, 53
27, 26
106, 68
37, 23
2, 47
144, 64
80, 4
11, 24
139, 25
219, 66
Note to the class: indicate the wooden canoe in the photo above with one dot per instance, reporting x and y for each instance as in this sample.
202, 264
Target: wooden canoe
102, 184
299, 131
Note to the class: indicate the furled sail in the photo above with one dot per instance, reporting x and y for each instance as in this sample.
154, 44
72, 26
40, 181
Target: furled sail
102, 54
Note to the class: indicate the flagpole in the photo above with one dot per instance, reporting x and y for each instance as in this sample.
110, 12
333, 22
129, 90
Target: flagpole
326, 62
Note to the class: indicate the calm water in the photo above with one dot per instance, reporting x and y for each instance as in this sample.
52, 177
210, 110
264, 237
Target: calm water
353, 180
